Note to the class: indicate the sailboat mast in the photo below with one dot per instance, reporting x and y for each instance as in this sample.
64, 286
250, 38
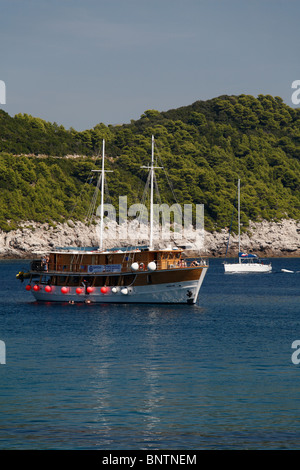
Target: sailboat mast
151, 168
239, 219
151, 195
102, 197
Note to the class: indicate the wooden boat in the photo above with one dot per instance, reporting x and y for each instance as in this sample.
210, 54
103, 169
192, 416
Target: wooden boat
119, 275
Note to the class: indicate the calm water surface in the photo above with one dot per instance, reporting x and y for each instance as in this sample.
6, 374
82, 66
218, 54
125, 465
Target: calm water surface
217, 375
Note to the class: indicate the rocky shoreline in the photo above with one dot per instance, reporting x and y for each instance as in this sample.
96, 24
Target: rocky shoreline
267, 239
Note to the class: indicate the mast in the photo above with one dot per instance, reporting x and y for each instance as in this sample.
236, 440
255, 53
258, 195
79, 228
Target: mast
151, 196
239, 220
102, 197
102, 194
151, 168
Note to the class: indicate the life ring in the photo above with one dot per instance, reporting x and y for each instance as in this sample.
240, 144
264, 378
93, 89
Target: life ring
142, 266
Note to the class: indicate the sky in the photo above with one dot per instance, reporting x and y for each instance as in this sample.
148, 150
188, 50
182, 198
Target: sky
83, 62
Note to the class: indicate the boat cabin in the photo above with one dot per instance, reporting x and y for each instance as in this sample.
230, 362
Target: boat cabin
94, 262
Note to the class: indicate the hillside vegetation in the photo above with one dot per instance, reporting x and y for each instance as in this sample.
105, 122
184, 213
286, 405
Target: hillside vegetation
204, 147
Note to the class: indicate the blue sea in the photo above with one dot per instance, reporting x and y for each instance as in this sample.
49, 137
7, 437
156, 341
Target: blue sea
213, 376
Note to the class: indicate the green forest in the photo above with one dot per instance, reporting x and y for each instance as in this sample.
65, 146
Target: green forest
204, 148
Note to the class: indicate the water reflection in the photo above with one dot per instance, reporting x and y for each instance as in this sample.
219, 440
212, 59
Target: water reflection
142, 378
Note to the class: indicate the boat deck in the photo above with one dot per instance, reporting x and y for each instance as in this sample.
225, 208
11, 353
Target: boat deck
114, 262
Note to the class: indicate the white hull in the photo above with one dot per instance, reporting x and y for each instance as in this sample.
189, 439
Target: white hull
177, 292
247, 268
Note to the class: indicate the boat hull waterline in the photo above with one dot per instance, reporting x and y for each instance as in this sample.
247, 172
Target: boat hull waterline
182, 292
241, 268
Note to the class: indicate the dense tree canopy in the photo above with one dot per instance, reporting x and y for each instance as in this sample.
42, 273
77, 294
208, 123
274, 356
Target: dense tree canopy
204, 147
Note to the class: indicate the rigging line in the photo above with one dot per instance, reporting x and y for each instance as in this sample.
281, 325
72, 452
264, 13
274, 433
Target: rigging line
106, 192
140, 200
166, 174
157, 188
146, 189
93, 202
95, 194
90, 209
168, 179
144, 198
140, 217
138, 189
233, 211
80, 194
90, 178
107, 201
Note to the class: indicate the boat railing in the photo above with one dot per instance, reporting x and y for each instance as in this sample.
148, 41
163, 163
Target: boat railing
39, 266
